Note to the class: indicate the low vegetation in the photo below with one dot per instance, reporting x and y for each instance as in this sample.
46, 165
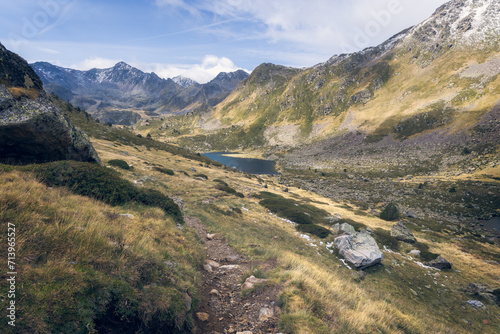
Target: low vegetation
120, 164
85, 268
102, 184
164, 170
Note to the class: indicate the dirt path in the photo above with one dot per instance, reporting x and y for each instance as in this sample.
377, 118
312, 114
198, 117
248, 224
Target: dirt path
222, 308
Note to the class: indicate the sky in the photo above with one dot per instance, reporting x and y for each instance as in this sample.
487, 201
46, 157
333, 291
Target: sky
200, 38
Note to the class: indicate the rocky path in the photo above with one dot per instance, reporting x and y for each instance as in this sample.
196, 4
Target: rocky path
223, 308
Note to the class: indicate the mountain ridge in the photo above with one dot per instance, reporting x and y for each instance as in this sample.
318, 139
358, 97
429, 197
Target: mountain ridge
123, 94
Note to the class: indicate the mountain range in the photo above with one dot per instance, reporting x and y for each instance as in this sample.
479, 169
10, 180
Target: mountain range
432, 88
123, 94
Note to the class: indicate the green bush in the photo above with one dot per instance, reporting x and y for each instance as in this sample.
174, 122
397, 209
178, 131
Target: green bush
102, 184
316, 230
167, 171
390, 212
229, 190
384, 237
292, 210
221, 182
120, 164
201, 175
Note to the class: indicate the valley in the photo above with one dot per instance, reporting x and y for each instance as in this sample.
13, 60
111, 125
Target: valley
359, 195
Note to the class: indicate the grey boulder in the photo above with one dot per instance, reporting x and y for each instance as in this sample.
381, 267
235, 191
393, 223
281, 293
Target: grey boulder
36, 131
360, 249
402, 233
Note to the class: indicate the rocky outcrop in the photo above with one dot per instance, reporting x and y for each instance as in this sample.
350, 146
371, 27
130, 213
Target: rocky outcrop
402, 233
344, 228
32, 128
360, 249
439, 263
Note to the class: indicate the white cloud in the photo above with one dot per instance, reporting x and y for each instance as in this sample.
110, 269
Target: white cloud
208, 69
95, 62
324, 25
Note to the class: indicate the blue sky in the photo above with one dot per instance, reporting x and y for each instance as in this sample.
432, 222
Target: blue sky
197, 38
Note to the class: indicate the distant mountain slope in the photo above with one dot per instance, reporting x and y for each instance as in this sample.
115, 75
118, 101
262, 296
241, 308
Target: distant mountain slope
433, 83
122, 94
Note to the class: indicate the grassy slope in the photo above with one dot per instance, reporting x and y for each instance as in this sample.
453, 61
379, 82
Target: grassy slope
318, 100
125, 257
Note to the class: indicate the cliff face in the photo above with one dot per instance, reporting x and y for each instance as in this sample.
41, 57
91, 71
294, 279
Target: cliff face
32, 129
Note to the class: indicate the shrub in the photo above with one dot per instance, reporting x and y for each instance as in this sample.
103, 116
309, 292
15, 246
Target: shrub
385, 238
221, 182
316, 230
290, 209
167, 171
390, 212
102, 184
201, 175
120, 164
229, 190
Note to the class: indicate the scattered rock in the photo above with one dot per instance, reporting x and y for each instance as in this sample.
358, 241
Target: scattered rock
439, 263
127, 215
245, 332
179, 202
333, 219
207, 267
210, 236
481, 290
171, 264
265, 314
232, 258
188, 302
202, 316
415, 252
214, 292
251, 281
411, 214
402, 233
476, 304
229, 267
192, 169
360, 249
213, 264
343, 228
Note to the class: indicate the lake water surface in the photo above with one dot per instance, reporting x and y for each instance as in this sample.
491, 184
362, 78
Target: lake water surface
254, 166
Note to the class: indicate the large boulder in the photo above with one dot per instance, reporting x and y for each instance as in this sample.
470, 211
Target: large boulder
402, 233
360, 249
343, 228
32, 128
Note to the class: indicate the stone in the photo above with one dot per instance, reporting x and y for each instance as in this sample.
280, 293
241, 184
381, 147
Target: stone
127, 215
265, 314
232, 258
476, 304
360, 249
251, 281
213, 264
179, 201
402, 233
207, 267
415, 252
229, 267
481, 290
202, 316
245, 332
343, 228
214, 292
188, 302
411, 214
32, 128
439, 263
210, 236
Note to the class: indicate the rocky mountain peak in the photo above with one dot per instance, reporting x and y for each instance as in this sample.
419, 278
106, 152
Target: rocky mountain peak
16, 72
460, 23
